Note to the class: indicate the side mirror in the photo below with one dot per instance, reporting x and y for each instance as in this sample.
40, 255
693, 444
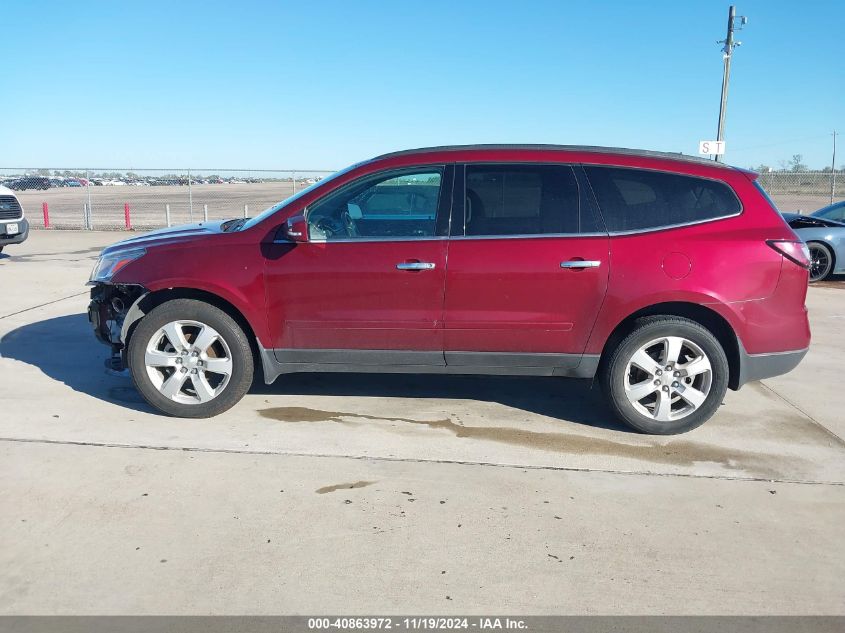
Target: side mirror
296, 229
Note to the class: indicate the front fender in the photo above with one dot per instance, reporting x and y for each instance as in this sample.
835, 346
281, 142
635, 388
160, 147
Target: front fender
251, 310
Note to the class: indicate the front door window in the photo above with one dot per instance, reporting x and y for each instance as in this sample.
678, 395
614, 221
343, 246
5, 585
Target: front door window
399, 204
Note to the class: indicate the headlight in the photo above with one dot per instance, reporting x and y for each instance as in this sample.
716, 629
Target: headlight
108, 265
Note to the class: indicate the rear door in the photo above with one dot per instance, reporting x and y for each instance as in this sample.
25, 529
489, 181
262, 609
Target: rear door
528, 266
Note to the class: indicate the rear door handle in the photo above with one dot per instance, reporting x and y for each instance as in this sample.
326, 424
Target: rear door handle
415, 266
581, 263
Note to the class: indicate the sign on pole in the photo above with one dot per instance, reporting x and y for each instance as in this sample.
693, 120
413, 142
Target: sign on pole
711, 147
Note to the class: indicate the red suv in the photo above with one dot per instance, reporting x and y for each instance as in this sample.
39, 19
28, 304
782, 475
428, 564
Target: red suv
669, 278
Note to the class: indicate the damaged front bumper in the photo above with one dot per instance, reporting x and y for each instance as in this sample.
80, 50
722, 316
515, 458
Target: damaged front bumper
111, 312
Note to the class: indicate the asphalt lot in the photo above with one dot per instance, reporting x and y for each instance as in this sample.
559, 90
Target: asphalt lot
400, 494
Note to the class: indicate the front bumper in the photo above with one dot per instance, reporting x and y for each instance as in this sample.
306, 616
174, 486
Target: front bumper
15, 238
107, 312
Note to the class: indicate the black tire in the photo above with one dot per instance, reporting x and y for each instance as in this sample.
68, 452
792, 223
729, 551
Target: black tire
241, 376
828, 253
613, 373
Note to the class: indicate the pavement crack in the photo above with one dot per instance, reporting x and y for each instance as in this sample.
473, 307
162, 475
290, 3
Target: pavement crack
413, 460
789, 403
41, 305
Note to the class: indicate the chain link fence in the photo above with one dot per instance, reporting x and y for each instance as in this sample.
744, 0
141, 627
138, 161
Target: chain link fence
124, 199
803, 191
127, 199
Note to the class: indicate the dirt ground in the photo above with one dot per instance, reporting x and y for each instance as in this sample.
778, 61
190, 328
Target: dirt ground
147, 204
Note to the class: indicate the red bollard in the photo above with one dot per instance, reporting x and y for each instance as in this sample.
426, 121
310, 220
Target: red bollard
46, 211
126, 219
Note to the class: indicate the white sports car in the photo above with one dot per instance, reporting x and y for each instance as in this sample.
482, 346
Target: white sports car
826, 240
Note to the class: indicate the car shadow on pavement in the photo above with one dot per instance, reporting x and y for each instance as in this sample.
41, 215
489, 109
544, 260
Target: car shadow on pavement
576, 401
64, 349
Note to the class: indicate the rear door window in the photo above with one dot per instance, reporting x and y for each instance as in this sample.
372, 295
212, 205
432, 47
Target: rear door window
523, 199
639, 199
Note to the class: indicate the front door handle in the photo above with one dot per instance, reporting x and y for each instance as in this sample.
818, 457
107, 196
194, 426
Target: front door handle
580, 263
415, 266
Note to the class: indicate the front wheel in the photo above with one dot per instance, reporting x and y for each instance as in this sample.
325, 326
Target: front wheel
190, 359
667, 376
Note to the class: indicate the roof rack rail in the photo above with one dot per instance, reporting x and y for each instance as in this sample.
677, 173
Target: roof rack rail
567, 148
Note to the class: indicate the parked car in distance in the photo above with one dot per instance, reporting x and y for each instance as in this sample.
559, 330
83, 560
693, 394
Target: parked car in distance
835, 212
659, 274
14, 227
29, 182
825, 239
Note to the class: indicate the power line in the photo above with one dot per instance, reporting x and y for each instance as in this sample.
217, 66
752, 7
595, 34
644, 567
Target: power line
815, 137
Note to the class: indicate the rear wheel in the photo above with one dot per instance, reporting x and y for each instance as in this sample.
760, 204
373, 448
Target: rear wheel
190, 359
667, 376
821, 261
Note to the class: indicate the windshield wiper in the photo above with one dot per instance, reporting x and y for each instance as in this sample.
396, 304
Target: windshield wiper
232, 225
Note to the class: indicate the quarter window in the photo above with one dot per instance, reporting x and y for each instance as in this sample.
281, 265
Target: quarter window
522, 199
636, 199
391, 204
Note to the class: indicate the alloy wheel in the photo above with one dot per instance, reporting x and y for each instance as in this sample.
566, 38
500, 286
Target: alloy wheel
668, 378
188, 362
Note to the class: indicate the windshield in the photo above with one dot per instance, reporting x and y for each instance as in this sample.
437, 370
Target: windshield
832, 212
281, 205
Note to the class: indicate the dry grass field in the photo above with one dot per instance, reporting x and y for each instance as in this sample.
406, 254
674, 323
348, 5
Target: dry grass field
147, 204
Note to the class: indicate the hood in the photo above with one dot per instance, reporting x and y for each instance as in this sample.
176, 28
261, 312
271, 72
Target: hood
798, 221
170, 235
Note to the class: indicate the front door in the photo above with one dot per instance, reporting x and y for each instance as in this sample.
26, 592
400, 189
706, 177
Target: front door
527, 270
367, 288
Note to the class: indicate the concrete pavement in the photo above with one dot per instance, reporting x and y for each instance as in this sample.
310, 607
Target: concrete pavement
422, 494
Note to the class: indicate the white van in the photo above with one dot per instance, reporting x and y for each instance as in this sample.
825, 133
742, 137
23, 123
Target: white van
14, 228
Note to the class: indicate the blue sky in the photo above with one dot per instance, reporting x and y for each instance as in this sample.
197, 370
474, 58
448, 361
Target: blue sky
323, 84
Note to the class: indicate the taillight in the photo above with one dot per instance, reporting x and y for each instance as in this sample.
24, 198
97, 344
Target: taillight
793, 250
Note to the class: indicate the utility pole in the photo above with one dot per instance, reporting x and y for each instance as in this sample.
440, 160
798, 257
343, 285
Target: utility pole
833, 170
727, 50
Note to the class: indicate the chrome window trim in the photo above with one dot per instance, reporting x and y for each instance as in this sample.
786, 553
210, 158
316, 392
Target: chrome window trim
353, 240
446, 237
528, 236
673, 226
